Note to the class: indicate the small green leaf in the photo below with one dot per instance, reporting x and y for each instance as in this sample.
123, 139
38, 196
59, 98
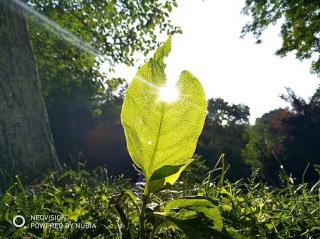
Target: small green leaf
203, 219
165, 171
199, 205
73, 215
166, 176
194, 224
162, 135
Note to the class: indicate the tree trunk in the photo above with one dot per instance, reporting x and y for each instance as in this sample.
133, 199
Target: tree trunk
26, 144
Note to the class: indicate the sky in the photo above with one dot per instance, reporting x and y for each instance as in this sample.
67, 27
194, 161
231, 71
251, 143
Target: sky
235, 69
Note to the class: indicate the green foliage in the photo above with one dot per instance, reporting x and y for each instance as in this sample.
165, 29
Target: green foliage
81, 197
258, 211
117, 29
287, 138
301, 131
247, 209
265, 142
316, 96
224, 133
200, 205
300, 25
223, 113
161, 136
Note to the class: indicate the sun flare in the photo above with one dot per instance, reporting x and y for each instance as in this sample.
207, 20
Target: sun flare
168, 93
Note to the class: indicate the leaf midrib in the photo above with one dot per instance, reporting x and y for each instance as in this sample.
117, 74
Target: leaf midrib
157, 140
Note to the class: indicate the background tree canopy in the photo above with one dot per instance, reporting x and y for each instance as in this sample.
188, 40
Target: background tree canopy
224, 133
300, 25
115, 28
287, 137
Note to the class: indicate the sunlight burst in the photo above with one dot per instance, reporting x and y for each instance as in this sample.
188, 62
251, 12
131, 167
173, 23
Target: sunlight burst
168, 93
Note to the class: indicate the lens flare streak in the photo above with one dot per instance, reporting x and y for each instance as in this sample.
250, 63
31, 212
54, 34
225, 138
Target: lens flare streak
58, 30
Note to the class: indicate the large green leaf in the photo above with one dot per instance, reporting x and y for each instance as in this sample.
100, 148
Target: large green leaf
161, 136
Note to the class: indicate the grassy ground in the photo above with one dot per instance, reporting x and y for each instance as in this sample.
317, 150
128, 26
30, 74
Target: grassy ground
107, 208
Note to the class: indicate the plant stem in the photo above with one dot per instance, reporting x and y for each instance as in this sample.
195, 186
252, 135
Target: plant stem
145, 199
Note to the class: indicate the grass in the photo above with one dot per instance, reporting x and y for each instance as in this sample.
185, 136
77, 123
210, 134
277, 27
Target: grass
249, 209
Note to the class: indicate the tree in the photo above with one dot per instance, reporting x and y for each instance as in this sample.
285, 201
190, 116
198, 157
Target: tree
302, 137
265, 144
26, 143
300, 25
223, 133
288, 138
115, 28
316, 96
222, 113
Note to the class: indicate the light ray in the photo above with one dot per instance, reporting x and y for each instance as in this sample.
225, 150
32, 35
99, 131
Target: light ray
142, 80
57, 30
168, 93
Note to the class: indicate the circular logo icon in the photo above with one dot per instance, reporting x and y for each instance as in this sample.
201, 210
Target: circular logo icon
18, 221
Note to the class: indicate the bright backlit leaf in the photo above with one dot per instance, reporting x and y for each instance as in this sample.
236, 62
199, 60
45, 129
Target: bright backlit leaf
162, 123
